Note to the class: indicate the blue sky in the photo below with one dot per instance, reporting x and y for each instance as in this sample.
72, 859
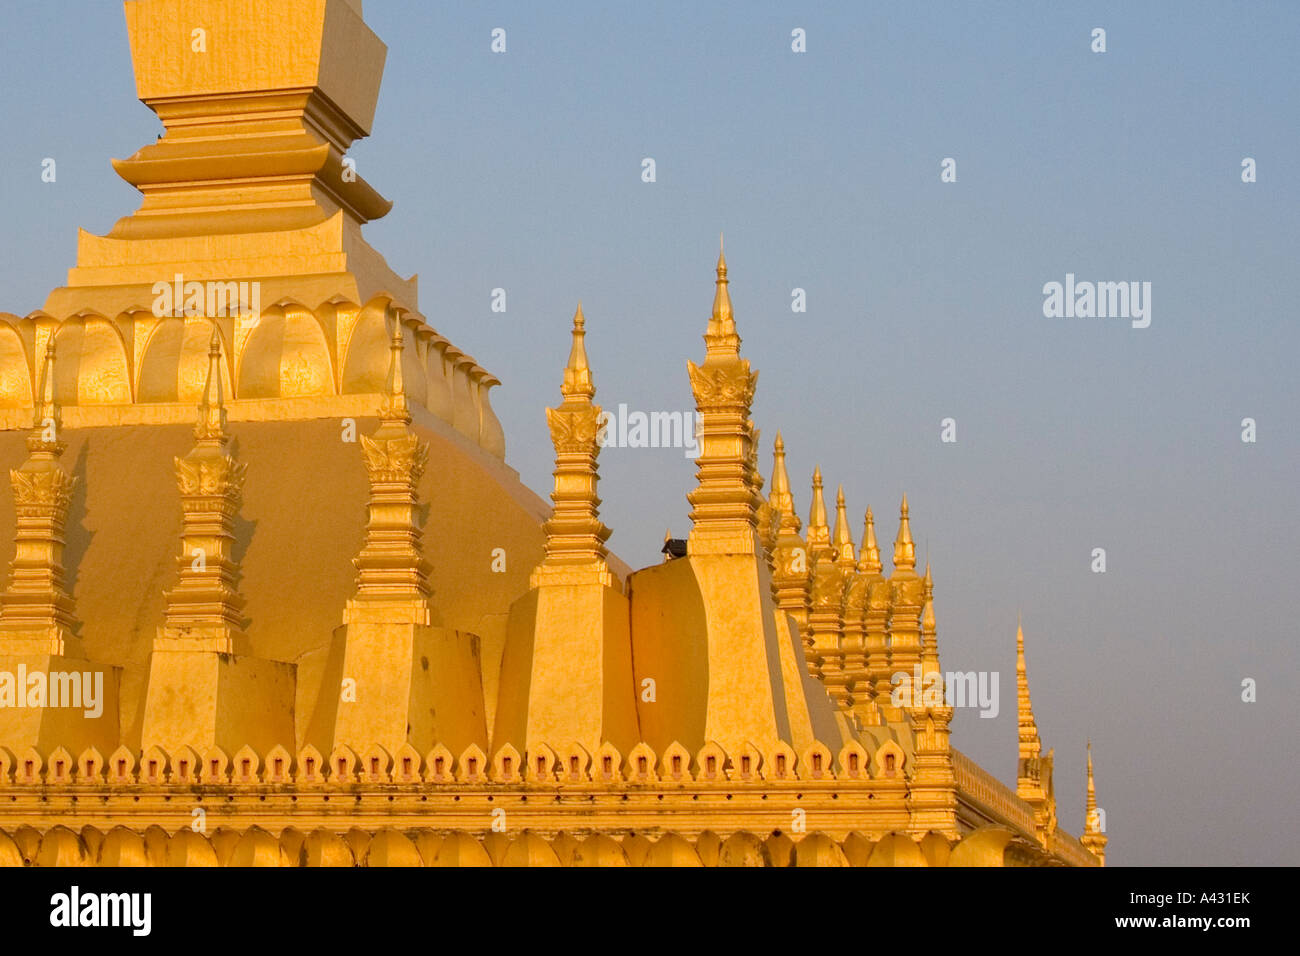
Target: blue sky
522, 171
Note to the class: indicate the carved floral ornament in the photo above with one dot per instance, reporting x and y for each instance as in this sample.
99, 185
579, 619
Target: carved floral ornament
220, 475
395, 459
42, 489
725, 386
574, 430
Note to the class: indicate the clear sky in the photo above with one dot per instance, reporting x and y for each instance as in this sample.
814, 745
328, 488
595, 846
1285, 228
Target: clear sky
924, 301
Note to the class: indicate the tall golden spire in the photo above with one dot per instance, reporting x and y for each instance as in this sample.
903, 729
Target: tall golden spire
37, 613
204, 609
575, 536
1033, 770
842, 539
790, 564
819, 535
869, 557
929, 628
724, 504
875, 616
1091, 802
392, 574
1094, 838
904, 549
906, 600
1030, 744
934, 784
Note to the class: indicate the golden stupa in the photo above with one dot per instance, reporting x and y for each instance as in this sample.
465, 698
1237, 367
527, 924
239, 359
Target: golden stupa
373, 645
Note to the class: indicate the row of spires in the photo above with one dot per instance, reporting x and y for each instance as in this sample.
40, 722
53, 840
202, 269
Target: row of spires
880, 625
858, 627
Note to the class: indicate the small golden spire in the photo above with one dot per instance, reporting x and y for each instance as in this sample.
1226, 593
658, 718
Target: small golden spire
781, 500
721, 338
395, 409
869, 557
842, 539
819, 534
817, 515
577, 373
929, 627
904, 548
211, 427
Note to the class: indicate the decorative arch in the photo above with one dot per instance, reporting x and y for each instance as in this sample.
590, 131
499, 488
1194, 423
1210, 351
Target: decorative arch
15, 370
285, 355
529, 849
367, 350
897, 849
91, 367
743, 848
818, 849
461, 849
174, 364
672, 850
390, 848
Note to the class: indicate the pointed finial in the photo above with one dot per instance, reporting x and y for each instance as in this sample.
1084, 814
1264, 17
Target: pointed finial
395, 408
47, 409
781, 499
721, 297
212, 409
817, 514
819, 532
869, 557
842, 539
929, 627
577, 373
904, 547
